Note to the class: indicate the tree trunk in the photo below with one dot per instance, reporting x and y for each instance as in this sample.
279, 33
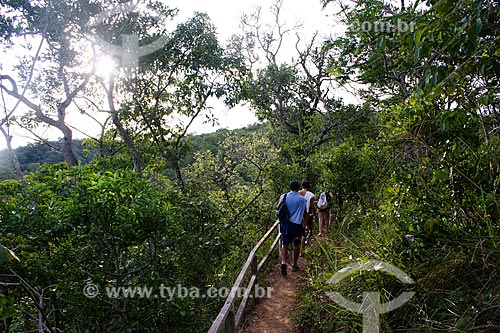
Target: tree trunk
305, 165
67, 146
59, 122
119, 126
67, 142
178, 173
15, 160
128, 142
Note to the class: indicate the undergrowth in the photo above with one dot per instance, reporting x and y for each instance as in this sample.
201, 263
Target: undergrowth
456, 279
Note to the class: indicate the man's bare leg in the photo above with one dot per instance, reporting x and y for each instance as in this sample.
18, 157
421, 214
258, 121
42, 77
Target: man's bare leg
283, 253
307, 220
321, 219
296, 252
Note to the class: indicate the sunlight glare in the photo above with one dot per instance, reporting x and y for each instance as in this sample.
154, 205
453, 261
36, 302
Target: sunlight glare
104, 66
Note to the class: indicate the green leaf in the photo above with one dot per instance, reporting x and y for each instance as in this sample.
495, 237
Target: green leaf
380, 42
6, 255
435, 79
479, 25
485, 100
451, 90
481, 70
417, 52
443, 125
472, 35
418, 36
3, 255
443, 7
441, 174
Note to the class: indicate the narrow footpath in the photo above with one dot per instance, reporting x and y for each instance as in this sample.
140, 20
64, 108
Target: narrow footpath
274, 314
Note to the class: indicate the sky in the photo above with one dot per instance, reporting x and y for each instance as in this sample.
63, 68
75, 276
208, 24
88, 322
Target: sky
225, 15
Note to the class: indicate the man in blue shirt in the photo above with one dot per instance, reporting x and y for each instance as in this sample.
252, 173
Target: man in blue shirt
293, 231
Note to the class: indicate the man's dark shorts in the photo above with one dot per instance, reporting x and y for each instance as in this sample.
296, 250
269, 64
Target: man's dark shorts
291, 232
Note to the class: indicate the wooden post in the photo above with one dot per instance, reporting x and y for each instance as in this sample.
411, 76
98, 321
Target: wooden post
254, 265
255, 271
228, 320
229, 325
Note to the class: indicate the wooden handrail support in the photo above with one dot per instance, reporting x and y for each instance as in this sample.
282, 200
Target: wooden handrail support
228, 321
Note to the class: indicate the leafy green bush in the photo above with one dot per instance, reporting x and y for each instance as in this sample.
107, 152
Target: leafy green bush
112, 229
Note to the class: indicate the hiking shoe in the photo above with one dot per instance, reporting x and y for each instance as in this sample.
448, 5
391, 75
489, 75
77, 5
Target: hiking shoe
283, 269
308, 237
295, 268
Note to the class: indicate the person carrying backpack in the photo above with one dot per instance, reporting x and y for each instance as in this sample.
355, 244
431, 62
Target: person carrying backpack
323, 203
292, 229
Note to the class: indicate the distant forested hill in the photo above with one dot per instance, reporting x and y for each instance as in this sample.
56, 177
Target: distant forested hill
32, 156
212, 141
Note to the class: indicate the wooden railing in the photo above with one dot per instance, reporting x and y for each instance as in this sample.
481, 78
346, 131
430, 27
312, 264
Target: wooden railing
228, 320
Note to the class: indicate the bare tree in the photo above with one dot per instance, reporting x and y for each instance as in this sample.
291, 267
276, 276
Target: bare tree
109, 88
49, 90
296, 95
59, 122
8, 139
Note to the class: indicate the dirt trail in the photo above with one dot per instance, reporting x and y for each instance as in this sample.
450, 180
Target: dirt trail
273, 314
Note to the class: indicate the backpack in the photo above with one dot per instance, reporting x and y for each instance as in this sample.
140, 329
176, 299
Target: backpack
322, 201
282, 211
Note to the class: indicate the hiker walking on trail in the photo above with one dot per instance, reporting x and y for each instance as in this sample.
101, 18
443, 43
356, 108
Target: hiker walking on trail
323, 203
310, 208
293, 231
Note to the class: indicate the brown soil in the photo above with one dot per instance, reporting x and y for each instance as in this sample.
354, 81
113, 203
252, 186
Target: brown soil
274, 314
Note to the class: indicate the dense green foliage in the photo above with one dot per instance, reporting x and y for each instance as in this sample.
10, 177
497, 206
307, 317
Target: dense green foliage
72, 227
421, 194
